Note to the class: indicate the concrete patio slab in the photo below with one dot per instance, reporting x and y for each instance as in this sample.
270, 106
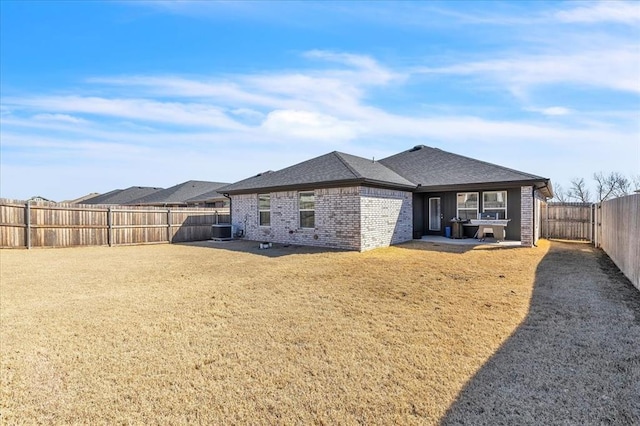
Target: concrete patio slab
469, 241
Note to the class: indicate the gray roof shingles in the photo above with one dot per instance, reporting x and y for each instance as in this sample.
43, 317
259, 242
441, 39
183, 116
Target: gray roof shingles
122, 196
211, 195
420, 167
180, 193
432, 167
332, 168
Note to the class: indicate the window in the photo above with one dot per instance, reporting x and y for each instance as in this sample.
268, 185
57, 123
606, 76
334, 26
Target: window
467, 207
307, 206
495, 202
264, 209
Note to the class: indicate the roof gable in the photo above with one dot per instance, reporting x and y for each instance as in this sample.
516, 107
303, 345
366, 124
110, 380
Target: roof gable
333, 168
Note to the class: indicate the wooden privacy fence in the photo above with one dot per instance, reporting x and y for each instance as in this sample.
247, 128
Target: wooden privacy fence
619, 234
40, 224
568, 221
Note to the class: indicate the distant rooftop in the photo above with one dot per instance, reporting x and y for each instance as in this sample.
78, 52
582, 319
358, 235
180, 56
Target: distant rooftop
122, 196
180, 194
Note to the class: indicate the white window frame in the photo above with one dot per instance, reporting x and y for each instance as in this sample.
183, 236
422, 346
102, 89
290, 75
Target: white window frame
494, 209
261, 210
301, 210
476, 209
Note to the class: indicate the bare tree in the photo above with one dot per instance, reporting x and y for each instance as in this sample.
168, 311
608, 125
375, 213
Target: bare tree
612, 185
635, 183
560, 194
579, 191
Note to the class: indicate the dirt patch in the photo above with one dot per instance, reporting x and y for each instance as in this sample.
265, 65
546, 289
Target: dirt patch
227, 333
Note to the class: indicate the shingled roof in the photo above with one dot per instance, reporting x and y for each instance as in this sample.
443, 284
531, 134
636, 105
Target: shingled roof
207, 196
122, 196
434, 169
179, 194
333, 169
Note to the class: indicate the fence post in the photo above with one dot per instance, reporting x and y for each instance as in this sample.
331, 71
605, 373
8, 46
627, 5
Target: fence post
27, 221
110, 227
596, 224
169, 225
591, 233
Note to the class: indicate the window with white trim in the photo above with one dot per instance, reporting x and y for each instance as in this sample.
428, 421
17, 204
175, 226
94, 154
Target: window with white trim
307, 206
264, 209
467, 205
495, 202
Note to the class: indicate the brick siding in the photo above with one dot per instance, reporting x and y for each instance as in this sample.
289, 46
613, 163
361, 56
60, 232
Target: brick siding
353, 218
526, 216
386, 217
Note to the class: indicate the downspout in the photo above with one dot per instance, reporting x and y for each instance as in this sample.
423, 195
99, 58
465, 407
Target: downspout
226, 195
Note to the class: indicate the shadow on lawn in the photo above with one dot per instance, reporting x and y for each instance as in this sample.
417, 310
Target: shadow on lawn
575, 359
452, 248
253, 247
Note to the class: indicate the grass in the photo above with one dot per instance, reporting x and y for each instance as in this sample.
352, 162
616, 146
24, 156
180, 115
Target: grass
225, 333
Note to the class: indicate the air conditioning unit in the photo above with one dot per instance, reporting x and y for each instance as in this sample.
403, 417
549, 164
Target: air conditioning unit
221, 232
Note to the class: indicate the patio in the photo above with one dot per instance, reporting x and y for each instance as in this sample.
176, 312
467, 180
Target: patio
469, 241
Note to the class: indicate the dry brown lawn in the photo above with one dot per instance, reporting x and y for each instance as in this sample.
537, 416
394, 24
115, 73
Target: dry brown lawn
217, 333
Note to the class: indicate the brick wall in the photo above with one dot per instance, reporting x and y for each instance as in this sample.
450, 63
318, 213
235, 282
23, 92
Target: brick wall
384, 216
526, 216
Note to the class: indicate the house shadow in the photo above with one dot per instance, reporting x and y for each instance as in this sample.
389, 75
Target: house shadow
254, 247
575, 359
193, 228
447, 246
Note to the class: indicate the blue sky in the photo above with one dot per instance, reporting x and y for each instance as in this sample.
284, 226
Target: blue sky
103, 95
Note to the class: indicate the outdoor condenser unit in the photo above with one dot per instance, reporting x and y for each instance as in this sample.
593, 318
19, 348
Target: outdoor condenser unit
221, 232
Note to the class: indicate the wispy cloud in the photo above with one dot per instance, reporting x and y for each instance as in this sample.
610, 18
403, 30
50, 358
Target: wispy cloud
624, 12
617, 68
59, 117
191, 114
551, 111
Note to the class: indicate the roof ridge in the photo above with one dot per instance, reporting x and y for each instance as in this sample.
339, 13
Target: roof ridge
347, 165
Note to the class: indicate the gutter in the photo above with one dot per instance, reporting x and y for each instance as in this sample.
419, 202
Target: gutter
321, 185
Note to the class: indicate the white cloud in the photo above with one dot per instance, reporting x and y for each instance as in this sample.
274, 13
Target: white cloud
552, 111
366, 70
308, 125
184, 114
624, 12
616, 68
60, 117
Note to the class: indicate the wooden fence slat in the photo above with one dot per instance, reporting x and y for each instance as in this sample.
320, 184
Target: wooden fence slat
571, 221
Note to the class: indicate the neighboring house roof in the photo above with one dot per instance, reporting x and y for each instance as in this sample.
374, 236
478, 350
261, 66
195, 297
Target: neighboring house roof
122, 196
207, 196
333, 169
179, 194
40, 198
79, 200
434, 169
